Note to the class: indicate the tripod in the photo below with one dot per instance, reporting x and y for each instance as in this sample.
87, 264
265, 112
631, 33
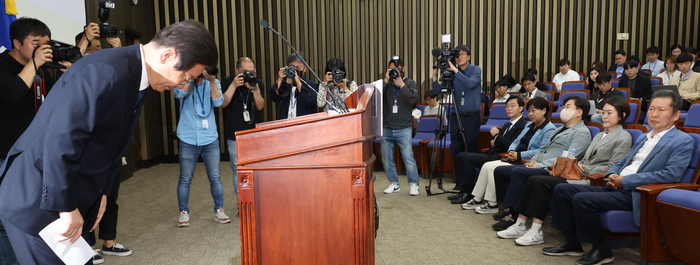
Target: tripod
448, 85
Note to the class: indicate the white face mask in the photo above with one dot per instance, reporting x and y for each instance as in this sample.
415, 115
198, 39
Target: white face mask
566, 115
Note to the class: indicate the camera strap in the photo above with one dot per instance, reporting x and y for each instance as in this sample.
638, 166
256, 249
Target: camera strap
39, 90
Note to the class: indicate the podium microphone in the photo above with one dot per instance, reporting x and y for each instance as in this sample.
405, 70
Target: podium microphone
343, 108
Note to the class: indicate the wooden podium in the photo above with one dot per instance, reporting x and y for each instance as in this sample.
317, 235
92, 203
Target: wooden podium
306, 189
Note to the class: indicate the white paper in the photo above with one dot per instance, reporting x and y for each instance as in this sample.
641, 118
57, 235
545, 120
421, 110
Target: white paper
78, 253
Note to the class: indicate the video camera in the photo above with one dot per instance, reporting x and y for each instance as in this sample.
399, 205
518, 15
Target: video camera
106, 30
395, 72
66, 53
443, 63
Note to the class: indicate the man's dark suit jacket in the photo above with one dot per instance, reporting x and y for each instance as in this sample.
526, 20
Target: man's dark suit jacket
642, 88
503, 141
70, 154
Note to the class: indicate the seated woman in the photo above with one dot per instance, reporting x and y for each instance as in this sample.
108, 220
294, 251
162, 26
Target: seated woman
639, 85
671, 70
501, 95
535, 135
605, 150
341, 90
601, 97
592, 74
688, 81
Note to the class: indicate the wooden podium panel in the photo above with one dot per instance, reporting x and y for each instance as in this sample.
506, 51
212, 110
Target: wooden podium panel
306, 189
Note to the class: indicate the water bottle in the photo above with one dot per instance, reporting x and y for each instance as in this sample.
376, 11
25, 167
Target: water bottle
572, 153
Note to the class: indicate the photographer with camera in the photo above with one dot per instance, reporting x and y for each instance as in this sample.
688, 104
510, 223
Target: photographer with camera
295, 93
243, 100
467, 96
336, 82
399, 96
88, 41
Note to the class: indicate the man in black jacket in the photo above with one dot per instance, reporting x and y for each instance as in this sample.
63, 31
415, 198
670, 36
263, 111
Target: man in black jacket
296, 94
466, 162
639, 85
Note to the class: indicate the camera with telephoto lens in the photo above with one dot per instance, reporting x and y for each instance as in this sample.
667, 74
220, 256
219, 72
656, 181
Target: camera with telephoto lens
62, 53
291, 71
338, 76
106, 30
249, 78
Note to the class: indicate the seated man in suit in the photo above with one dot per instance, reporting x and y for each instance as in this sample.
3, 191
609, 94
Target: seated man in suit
620, 59
466, 163
66, 162
639, 85
573, 136
660, 156
531, 90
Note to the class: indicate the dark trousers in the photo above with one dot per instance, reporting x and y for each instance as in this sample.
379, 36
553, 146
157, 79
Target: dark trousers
510, 182
686, 105
108, 224
577, 208
7, 255
471, 134
534, 201
465, 168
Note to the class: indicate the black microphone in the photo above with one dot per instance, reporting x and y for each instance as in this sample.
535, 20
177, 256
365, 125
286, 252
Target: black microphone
343, 107
264, 24
437, 52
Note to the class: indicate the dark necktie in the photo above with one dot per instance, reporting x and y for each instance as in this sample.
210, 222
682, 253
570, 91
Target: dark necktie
507, 126
141, 97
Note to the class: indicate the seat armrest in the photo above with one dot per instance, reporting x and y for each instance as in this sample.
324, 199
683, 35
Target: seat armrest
655, 189
502, 155
484, 150
597, 179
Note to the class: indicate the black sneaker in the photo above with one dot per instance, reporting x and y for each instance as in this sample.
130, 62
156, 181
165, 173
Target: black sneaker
596, 257
501, 214
564, 249
116, 250
455, 196
504, 223
97, 259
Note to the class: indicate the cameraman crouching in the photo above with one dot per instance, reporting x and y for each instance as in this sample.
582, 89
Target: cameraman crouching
467, 95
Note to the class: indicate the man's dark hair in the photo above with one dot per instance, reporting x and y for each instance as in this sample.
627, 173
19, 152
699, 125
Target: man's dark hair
510, 79
335, 63
677, 100
464, 48
676, 46
520, 100
691, 50
634, 57
684, 57
392, 61
653, 49
502, 83
631, 63
429, 94
539, 103
531, 71
240, 61
26, 26
529, 77
293, 57
603, 77
192, 42
621, 106
580, 103
563, 62
620, 52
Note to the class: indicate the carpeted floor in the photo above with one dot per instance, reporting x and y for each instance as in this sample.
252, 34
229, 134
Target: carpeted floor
413, 230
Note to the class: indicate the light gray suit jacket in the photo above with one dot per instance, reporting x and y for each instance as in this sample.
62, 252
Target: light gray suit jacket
604, 153
538, 94
577, 137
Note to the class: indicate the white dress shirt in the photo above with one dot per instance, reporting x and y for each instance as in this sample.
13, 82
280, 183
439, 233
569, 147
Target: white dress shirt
652, 140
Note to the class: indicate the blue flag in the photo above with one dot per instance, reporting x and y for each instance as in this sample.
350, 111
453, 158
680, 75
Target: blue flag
5, 20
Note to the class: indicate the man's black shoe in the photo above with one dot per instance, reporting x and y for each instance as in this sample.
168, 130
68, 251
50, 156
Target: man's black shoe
564, 249
452, 197
501, 214
596, 257
461, 199
457, 187
504, 223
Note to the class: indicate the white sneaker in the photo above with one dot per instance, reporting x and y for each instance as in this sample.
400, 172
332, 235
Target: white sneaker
97, 259
221, 217
486, 209
471, 204
414, 190
512, 231
392, 188
530, 237
184, 219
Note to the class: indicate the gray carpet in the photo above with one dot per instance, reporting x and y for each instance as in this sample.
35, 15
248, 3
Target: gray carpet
413, 230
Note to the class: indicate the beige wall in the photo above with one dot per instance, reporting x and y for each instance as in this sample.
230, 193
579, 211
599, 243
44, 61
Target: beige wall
505, 36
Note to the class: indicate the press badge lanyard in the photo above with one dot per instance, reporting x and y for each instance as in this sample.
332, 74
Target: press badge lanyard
203, 114
682, 78
246, 114
396, 99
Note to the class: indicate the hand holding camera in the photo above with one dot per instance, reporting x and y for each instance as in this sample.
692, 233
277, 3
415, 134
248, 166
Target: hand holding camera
92, 31
42, 54
209, 76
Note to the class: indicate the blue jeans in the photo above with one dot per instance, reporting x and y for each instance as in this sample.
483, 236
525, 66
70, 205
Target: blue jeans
234, 164
188, 159
402, 137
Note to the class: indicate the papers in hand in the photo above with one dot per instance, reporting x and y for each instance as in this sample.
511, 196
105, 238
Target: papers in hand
78, 253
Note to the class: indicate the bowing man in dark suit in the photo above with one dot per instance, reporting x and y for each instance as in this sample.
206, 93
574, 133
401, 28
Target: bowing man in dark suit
66, 162
466, 162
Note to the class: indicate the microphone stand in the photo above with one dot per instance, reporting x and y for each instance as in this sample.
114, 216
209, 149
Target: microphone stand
343, 108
